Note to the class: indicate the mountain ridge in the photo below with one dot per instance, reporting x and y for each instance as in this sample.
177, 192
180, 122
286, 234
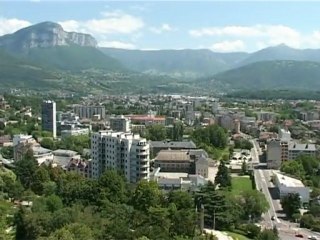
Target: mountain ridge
44, 35
277, 74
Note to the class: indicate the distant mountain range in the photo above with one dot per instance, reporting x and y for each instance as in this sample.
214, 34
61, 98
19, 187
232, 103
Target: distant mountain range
277, 74
32, 55
185, 63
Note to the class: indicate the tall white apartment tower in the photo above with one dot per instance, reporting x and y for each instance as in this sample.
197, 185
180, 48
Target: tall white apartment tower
125, 152
48, 117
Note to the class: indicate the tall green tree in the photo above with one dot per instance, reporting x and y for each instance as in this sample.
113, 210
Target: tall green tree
291, 204
223, 177
254, 204
212, 135
26, 169
112, 187
177, 131
156, 132
146, 195
244, 168
243, 144
293, 168
217, 208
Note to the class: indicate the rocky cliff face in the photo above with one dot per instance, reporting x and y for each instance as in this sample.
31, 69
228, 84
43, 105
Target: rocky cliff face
44, 35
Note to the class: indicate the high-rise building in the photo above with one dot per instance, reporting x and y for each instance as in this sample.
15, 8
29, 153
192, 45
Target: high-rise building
48, 117
120, 124
125, 152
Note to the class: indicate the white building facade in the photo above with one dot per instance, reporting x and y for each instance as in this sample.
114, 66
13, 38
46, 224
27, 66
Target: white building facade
125, 152
120, 123
287, 185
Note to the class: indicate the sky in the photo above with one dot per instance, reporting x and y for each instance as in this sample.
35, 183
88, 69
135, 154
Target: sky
222, 26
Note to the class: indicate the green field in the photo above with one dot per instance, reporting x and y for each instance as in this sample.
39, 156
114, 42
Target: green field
240, 184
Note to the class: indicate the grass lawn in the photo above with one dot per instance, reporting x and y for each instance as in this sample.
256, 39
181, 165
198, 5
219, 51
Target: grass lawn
240, 184
237, 236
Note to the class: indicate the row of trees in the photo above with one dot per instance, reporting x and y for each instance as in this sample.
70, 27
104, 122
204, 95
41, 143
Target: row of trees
212, 135
75, 143
213, 139
243, 144
159, 132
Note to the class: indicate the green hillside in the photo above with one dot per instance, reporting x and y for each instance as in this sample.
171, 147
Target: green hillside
185, 63
74, 58
17, 73
282, 52
270, 75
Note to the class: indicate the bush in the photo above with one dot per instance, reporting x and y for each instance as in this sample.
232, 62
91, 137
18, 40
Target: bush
252, 230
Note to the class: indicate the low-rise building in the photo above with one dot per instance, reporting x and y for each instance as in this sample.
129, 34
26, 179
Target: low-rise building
23, 143
288, 185
297, 149
42, 155
62, 157
193, 161
79, 166
75, 132
266, 116
178, 181
173, 161
147, 119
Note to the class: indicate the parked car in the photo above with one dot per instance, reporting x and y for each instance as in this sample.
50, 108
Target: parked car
273, 218
299, 235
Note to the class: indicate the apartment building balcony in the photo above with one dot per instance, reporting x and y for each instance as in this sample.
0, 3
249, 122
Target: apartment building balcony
142, 153
144, 176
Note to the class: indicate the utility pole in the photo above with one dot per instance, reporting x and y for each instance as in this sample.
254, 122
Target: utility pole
214, 218
201, 218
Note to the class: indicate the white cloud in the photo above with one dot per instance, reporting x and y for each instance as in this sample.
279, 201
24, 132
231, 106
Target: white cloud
246, 31
163, 28
259, 36
117, 44
228, 46
228, 30
111, 23
11, 25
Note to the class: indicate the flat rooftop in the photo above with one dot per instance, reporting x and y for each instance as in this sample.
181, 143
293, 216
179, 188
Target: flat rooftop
173, 155
288, 181
301, 147
173, 144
